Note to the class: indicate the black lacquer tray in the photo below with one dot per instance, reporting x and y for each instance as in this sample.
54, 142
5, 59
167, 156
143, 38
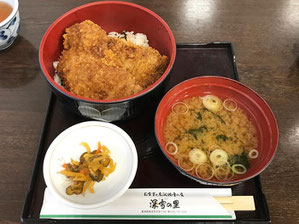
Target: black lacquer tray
154, 170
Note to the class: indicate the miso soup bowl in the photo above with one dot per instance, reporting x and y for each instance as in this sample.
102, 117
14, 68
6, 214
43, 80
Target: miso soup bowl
111, 16
252, 103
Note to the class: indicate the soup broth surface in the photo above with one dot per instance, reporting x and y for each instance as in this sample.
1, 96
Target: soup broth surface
194, 132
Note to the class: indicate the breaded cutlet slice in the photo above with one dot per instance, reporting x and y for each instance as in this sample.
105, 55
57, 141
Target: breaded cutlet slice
85, 75
86, 37
96, 66
144, 63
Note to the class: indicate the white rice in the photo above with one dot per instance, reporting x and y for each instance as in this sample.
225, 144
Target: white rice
56, 77
138, 39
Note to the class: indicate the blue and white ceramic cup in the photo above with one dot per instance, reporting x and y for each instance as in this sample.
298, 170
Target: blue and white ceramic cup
9, 27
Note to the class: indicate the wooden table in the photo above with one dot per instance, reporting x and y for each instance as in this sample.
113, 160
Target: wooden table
265, 37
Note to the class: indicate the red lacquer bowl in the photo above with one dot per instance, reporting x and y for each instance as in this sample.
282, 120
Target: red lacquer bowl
111, 16
256, 108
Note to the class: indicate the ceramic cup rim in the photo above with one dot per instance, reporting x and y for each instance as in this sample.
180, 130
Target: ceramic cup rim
12, 14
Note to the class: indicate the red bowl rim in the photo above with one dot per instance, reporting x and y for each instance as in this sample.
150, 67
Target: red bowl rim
137, 95
223, 183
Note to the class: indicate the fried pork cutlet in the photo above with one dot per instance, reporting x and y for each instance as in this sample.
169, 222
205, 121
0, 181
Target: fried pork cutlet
144, 63
96, 66
86, 37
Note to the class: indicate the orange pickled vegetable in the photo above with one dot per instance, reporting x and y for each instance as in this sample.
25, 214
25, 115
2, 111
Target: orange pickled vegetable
99, 147
65, 166
94, 166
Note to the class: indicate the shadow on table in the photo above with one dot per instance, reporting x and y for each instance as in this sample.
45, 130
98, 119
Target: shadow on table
18, 64
294, 68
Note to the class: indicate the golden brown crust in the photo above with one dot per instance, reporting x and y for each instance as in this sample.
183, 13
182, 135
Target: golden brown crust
96, 66
86, 37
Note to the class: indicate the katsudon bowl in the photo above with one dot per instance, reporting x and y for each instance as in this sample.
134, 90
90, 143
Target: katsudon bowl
111, 16
200, 160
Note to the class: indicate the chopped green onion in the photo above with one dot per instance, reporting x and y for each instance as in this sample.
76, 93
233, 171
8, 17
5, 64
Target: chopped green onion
239, 169
219, 157
169, 150
197, 156
212, 102
253, 154
230, 105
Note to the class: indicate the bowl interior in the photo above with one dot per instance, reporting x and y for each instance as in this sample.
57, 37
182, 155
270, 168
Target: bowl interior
67, 146
256, 108
111, 16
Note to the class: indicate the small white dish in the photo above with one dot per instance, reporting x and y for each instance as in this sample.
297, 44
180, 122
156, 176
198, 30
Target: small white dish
67, 145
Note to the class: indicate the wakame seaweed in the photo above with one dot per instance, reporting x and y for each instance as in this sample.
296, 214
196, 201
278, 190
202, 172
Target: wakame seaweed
199, 117
215, 115
196, 131
223, 138
239, 159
